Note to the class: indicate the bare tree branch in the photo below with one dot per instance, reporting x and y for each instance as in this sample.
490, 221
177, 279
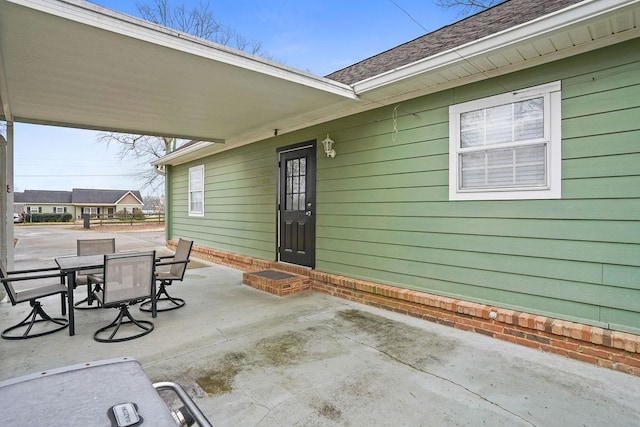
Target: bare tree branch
467, 7
197, 21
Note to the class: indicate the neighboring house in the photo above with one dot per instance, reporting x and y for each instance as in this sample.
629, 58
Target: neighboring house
497, 177
78, 201
38, 201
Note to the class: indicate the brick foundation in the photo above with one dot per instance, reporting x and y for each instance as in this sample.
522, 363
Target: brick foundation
610, 349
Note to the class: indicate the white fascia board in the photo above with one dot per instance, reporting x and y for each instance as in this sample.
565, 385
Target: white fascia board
569, 16
105, 19
181, 152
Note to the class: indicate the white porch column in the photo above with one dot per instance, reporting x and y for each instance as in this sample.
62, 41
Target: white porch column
6, 198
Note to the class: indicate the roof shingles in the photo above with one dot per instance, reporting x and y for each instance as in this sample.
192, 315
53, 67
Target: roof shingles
498, 18
77, 196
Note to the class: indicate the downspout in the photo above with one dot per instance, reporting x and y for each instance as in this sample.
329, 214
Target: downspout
168, 172
165, 171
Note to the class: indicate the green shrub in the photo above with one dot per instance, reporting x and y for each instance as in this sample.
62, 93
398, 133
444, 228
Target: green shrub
49, 217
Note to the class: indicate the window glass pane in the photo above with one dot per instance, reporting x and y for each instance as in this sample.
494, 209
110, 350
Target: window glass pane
499, 157
472, 120
303, 191
521, 166
473, 160
531, 165
500, 177
503, 123
533, 175
499, 124
474, 179
472, 128
529, 119
473, 169
296, 185
471, 138
303, 166
195, 178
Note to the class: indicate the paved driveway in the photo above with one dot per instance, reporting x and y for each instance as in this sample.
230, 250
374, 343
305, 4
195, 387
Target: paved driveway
252, 359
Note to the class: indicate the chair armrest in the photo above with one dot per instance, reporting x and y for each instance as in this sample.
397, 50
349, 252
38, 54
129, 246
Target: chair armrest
172, 262
34, 270
23, 278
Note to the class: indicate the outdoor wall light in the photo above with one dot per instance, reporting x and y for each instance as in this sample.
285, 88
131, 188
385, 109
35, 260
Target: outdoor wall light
328, 147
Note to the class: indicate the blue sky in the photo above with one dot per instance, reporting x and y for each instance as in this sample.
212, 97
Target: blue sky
319, 36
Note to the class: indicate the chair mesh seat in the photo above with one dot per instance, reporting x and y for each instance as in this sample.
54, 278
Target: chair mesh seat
40, 292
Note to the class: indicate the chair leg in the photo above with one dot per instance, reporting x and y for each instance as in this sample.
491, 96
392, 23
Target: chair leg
63, 297
162, 295
123, 314
89, 299
37, 315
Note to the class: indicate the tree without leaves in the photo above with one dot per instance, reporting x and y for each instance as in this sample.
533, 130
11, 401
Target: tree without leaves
144, 148
199, 22
467, 7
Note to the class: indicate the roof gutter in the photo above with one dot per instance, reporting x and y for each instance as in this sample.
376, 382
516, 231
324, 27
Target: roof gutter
179, 153
545, 24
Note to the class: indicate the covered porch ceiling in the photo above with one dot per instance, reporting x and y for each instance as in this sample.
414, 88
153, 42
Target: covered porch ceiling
74, 64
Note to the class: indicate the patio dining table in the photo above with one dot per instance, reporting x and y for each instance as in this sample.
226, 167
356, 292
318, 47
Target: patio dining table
70, 265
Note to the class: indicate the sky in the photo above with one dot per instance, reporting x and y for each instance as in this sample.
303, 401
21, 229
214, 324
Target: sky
318, 36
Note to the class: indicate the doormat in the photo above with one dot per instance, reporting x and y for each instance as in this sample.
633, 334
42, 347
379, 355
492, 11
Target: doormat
276, 282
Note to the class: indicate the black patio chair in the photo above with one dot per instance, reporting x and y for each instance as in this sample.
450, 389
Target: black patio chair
94, 276
177, 265
128, 279
41, 288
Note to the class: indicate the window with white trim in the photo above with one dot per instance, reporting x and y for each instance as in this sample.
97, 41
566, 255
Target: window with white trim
59, 209
196, 191
92, 212
506, 146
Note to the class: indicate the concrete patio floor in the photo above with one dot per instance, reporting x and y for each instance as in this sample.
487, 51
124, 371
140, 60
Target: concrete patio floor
249, 358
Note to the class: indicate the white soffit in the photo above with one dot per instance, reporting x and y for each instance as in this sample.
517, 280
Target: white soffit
71, 63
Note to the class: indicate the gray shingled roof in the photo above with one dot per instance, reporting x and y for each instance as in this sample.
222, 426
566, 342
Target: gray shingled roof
498, 18
42, 197
76, 196
103, 197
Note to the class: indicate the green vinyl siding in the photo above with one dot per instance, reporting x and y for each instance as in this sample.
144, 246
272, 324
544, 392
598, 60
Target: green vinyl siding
239, 203
383, 212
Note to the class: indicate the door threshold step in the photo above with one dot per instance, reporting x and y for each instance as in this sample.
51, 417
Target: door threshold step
276, 282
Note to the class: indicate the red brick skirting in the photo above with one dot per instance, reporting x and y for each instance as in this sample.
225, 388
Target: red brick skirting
602, 347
